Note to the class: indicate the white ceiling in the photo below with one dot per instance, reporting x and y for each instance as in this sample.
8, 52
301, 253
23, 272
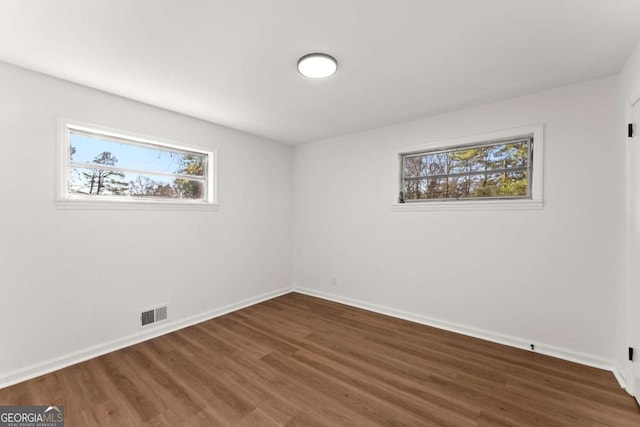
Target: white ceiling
233, 62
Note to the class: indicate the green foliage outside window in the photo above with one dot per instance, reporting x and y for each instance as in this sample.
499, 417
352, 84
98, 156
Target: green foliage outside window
500, 170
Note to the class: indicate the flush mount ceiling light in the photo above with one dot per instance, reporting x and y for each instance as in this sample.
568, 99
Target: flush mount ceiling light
317, 65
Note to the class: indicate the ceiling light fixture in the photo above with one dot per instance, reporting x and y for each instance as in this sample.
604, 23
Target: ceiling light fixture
317, 65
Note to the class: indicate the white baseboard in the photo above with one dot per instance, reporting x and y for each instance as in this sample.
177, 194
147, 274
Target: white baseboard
29, 372
620, 378
549, 350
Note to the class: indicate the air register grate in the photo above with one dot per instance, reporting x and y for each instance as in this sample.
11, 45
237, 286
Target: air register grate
161, 313
147, 317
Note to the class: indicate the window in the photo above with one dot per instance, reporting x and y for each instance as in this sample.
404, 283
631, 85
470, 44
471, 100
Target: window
501, 169
106, 167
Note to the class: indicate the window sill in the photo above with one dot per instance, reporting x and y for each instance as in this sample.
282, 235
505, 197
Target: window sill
476, 205
145, 206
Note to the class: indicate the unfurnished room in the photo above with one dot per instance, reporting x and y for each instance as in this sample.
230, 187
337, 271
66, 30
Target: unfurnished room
319, 213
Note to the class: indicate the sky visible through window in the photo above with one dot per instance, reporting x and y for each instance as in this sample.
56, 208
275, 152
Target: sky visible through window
141, 170
128, 156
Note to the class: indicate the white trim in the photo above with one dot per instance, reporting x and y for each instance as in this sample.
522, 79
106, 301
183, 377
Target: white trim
620, 378
106, 205
65, 201
628, 373
23, 374
29, 372
536, 201
469, 205
549, 350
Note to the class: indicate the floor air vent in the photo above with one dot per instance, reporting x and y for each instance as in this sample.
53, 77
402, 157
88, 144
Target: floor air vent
153, 316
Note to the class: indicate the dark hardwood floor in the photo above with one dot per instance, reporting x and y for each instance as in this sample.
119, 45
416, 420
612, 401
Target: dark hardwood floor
302, 361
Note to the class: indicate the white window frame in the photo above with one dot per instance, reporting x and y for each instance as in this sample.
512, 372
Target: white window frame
536, 180
65, 200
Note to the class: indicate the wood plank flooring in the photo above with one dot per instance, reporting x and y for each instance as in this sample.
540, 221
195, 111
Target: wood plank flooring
302, 361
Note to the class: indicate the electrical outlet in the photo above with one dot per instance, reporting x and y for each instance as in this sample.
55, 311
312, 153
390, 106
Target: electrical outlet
334, 280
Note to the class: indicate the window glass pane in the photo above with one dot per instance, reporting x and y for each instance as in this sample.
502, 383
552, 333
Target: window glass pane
467, 160
93, 149
507, 184
427, 164
505, 156
86, 181
510, 184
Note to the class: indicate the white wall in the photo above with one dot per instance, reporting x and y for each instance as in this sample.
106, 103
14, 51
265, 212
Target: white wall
548, 277
70, 280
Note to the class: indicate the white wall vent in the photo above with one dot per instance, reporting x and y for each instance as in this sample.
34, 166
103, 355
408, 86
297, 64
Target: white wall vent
154, 315
147, 317
161, 313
